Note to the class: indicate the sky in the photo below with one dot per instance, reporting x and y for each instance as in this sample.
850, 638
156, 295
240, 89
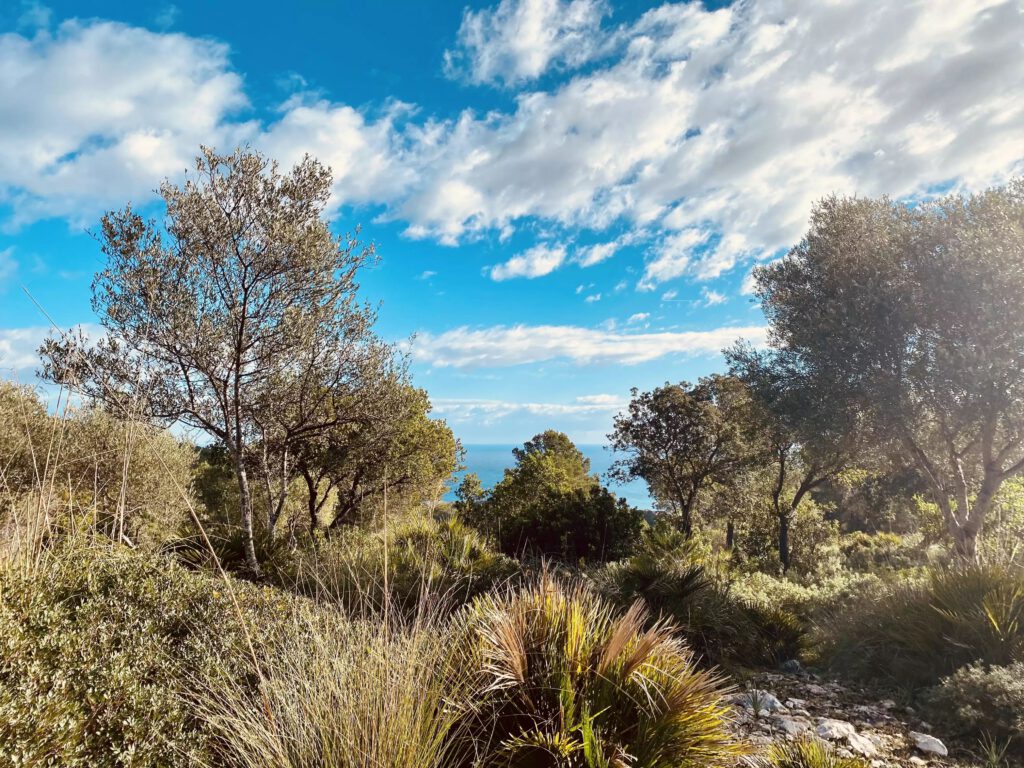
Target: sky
567, 196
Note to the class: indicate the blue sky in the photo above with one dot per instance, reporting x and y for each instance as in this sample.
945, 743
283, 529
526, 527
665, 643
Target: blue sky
567, 195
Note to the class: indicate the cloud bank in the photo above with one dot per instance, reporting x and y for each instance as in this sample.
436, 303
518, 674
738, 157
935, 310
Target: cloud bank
503, 346
705, 133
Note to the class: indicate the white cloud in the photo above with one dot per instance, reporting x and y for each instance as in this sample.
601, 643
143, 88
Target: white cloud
367, 157
712, 298
535, 262
520, 39
639, 317
738, 119
34, 15
610, 401
749, 285
595, 254
704, 134
501, 346
593, 298
8, 266
99, 112
427, 274
673, 257
18, 349
669, 295
487, 412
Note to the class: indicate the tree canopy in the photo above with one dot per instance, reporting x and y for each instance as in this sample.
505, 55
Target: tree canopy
910, 319
237, 314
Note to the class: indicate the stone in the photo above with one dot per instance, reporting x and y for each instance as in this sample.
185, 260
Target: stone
816, 689
834, 730
765, 701
888, 704
796, 703
793, 666
915, 760
862, 745
928, 744
791, 726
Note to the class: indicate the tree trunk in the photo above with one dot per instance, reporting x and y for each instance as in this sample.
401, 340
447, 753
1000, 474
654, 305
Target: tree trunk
784, 540
245, 508
687, 521
965, 544
311, 501
730, 535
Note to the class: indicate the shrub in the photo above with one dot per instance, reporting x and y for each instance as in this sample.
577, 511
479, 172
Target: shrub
869, 552
806, 598
439, 561
564, 680
549, 505
721, 625
808, 753
978, 700
96, 649
917, 633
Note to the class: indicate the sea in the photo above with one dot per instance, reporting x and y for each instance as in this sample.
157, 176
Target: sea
490, 462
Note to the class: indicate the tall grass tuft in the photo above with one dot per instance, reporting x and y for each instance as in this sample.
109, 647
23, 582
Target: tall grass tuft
344, 694
563, 680
807, 753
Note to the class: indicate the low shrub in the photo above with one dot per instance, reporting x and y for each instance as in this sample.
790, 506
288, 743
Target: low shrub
417, 560
721, 625
807, 598
914, 634
566, 681
982, 701
97, 648
870, 552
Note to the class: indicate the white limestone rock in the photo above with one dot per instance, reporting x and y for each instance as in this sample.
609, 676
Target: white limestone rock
862, 745
834, 730
928, 744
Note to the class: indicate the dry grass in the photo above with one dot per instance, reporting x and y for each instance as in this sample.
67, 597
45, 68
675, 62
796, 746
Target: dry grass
348, 695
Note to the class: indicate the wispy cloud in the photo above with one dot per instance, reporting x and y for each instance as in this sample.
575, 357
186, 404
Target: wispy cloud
712, 298
519, 40
738, 119
535, 262
502, 346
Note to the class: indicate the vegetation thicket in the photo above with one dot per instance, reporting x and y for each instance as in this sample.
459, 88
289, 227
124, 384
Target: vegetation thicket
290, 586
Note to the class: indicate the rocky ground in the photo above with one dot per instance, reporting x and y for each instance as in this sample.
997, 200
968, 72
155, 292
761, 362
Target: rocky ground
785, 705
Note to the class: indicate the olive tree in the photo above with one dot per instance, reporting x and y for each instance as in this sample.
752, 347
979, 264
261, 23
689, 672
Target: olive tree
789, 435
910, 318
681, 438
395, 446
236, 315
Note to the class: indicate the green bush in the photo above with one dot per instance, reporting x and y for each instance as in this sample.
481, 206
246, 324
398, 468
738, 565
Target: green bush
806, 598
979, 701
870, 552
722, 625
566, 681
427, 560
914, 633
97, 648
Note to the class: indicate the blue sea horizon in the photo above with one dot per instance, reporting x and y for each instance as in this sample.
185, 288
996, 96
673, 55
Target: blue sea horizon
489, 461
